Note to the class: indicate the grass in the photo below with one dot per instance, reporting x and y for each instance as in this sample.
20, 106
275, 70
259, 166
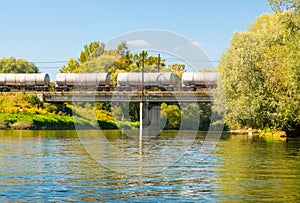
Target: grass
26, 111
35, 121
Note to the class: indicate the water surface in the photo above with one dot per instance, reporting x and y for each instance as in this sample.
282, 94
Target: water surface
53, 166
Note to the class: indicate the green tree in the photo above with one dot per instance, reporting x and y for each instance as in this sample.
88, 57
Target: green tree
94, 58
71, 67
100, 64
260, 74
177, 70
90, 52
12, 65
150, 62
282, 5
173, 115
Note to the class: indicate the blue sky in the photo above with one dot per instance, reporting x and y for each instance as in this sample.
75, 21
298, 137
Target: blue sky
57, 30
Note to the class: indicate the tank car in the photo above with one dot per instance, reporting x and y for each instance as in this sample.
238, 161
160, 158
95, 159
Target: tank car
94, 81
129, 81
32, 81
194, 80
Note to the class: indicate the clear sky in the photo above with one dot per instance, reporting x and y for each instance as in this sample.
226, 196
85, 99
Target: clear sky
56, 30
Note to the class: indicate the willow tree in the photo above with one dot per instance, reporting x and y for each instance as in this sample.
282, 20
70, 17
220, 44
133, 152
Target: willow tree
261, 74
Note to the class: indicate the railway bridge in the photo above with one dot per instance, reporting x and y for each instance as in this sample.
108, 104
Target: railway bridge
128, 96
150, 101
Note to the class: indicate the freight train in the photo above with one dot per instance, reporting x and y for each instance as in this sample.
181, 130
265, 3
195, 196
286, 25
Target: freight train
31, 81
69, 81
101, 81
128, 81
196, 80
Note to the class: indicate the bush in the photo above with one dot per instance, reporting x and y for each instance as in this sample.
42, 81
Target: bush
128, 125
107, 125
50, 108
21, 125
3, 124
32, 99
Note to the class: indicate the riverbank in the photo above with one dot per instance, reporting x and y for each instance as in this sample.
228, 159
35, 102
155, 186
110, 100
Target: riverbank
52, 121
39, 122
27, 112
57, 122
261, 133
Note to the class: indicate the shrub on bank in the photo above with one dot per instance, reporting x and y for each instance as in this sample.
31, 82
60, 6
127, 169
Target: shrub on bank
128, 124
54, 121
21, 125
26, 111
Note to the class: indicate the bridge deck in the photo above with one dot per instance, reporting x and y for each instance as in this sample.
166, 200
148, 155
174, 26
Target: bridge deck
128, 96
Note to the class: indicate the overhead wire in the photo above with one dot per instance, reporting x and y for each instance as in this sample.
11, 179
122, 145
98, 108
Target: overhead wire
48, 61
167, 58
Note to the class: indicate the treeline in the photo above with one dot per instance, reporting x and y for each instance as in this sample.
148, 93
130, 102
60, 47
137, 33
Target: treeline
95, 58
261, 72
13, 65
260, 75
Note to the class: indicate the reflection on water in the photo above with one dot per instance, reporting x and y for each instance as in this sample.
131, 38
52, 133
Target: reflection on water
259, 169
122, 151
38, 166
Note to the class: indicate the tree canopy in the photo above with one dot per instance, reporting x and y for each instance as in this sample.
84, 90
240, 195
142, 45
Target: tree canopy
283, 5
13, 65
261, 74
95, 58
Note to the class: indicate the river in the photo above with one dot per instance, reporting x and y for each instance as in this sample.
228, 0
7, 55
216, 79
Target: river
59, 166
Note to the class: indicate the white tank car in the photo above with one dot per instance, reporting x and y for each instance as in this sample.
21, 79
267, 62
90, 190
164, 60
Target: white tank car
33, 81
194, 80
129, 81
95, 81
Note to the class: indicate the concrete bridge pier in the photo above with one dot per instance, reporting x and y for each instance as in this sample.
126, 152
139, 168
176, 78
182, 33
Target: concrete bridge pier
151, 116
145, 116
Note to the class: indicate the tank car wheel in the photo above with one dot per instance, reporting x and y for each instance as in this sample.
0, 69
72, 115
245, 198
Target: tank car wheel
107, 88
120, 88
163, 88
186, 88
171, 88
38, 89
6, 89
46, 88
127, 88
193, 88
99, 88
66, 88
